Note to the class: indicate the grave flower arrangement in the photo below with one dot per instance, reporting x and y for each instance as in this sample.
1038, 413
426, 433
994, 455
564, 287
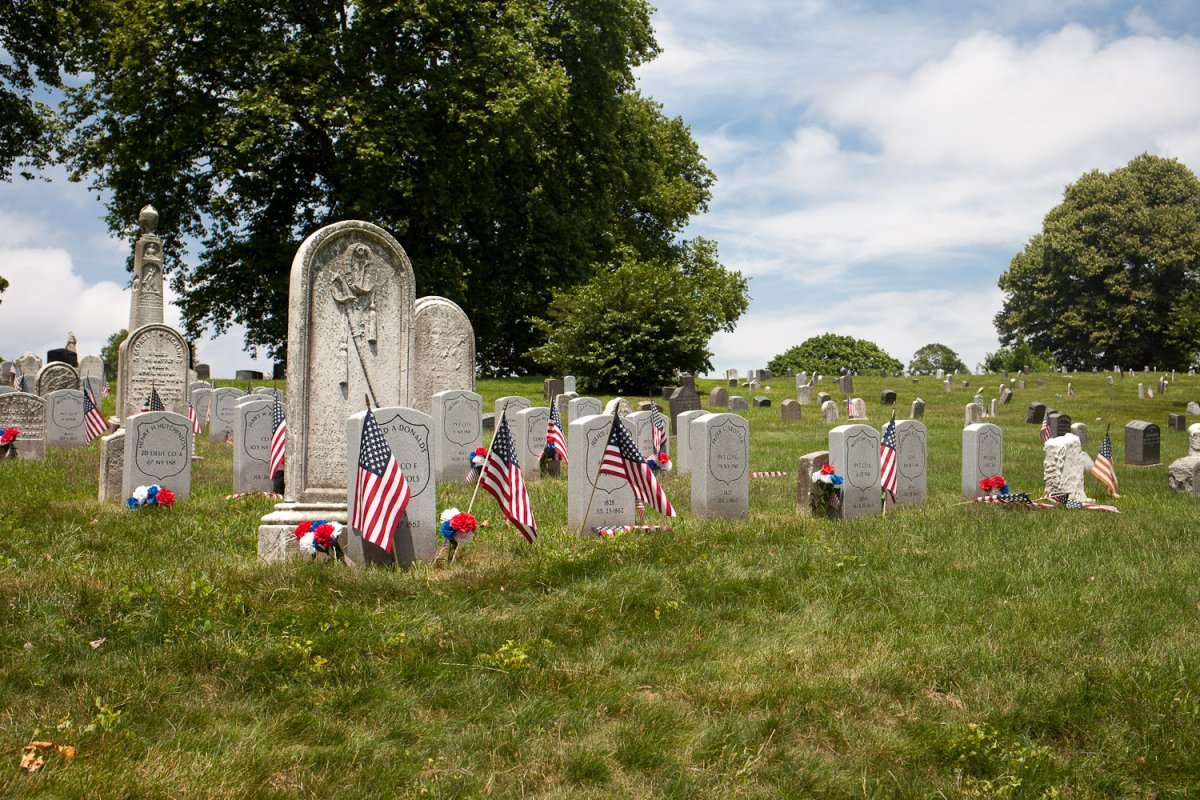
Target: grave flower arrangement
994, 486
826, 497
457, 528
152, 495
477, 458
319, 536
7, 437
660, 462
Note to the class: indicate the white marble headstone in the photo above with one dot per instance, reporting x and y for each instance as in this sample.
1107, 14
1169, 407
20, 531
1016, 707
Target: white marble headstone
158, 450
224, 407
612, 501
911, 462
528, 428
854, 454
443, 350
252, 430
720, 450
982, 455
683, 445
64, 419
457, 432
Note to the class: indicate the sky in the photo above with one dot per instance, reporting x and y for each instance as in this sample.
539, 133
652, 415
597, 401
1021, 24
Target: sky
878, 164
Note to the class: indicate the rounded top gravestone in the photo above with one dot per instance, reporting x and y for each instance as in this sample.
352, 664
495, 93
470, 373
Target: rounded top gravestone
443, 350
56, 375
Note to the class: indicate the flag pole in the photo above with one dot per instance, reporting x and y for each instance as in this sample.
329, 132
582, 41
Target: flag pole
395, 555
496, 427
600, 466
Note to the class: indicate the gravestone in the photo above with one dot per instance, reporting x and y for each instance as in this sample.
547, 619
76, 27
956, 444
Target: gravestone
1182, 475
91, 367
1021, 384
146, 303
64, 419
155, 357
972, 414
887, 398
804, 394
854, 454
513, 403
718, 397
252, 430
912, 438
26, 413
618, 404
995, 410
194, 385
846, 384
805, 467
279, 371
1060, 424
29, 365
823, 398
408, 434
203, 372
858, 409
789, 410
1005, 395
982, 456
489, 424
350, 312
1194, 439
917, 411
6, 369
1110, 380
739, 403
1142, 441
443, 351
732, 382
683, 440
158, 450
112, 466
684, 398
1063, 466
1176, 422
569, 384
56, 375
267, 390
752, 386
6, 389
457, 432
721, 460
1080, 431
191, 376
1141, 391
1193, 408
646, 405
248, 375
221, 421
611, 498
643, 433
802, 379
528, 428
551, 388
829, 411
946, 385
201, 398
762, 401
1037, 413
581, 407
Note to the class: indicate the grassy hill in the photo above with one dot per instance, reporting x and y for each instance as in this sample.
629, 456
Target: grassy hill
959, 651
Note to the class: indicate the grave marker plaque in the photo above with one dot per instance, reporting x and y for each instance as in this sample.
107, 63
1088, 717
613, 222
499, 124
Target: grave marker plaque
911, 461
721, 460
26, 413
252, 432
457, 432
158, 450
982, 456
611, 497
854, 454
64, 419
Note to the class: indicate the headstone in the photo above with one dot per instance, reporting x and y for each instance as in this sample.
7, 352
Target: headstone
248, 375
995, 408
457, 432
846, 385
1182, 475
684, 398
1080, 431
1005, 395
569, 384
191, 376
351, 305
911, 459
643, 432
718, 397
683, 444
1194, 439
155, 357
762, 401
29, 365
721, 460
854, 454
26, 413
858, 409
1176, 422
1142, 441
982, 456
972, 414
203, 372
443, 351
918, 409
201, 398
611, 498
946, 385
1193, 408
752, 386
581, 407
267, 390
6, 368
489, 424
804, 394
666, 392
529, 436
739, 403
64, 419
56, 375
941, 374
805, 467
158, 450
222, 418
194, 385
112, 466
6, 389
789, 410
408, 433
646, 405
802, 379
278, 371
732, 382
618, 404
1037, 413
978, 399
829, 411
92, 367
513, 403
1141, 391
1021, 384
731, 374
887, 398
252, 431
1063, 467
823, 398
1060, 424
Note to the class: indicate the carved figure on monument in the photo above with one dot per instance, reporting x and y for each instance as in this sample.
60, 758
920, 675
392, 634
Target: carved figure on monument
71, 344
353, 291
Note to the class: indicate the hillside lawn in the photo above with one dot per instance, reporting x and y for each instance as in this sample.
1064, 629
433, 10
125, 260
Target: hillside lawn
942, 650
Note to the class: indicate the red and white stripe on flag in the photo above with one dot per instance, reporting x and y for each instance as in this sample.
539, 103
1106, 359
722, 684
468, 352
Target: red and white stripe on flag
554, 433
278, 437
887, 458
381, 492
621, 459
194, 419
93, 420
501, 477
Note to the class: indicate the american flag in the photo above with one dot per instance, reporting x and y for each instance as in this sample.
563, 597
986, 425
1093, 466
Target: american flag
502, 478
622, 460
153, 402
1065, 500
381, 493
660, 429
93, 421
1012, 499
278, 436
1103, 468
104, 389
20, 382
887, 458
1045, 429
194, 419
554, 434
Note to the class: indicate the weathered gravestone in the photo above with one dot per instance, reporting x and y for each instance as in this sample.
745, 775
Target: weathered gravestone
982, 456
407, 432
6, 389
1059, 423
581, 407
1005, 395
611, 499
887, 397
529, 436
790, 410
1080, 431
92, 367
858, 409
683, 444
1193, 408
721, 466
805, 467
1176, 422
646, 405
350, 309
457, 432
443, 351
569, 384
1142, 441
911, 460
64, 419
112, 459
248, 375
26, 413
203, 372
511, 404
1037, 413
917, 411
618, 404
1063, 466
551, 388
854, 454
684, 398
752, 386
823, 398
718, 397
6, 370
29, 365
972, 413
739, 403
201, 398
252, 431
158, 450
762, 401
1141, 391
1194, 439
224, 400
154, 357
829, 411
804, 394
946, 385
56, 375
1182, 475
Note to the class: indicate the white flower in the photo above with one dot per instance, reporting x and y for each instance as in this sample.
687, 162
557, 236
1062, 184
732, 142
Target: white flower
140, 494
821, 477
449, 514
337, 529
306, 544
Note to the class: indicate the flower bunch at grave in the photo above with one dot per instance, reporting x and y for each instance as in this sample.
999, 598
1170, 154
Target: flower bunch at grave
826, 497
477, 458
152, 495
662, 462
457, 527
319, 536
9, 435
995, 485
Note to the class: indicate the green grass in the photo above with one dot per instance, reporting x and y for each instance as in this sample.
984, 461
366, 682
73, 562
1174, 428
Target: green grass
940, 651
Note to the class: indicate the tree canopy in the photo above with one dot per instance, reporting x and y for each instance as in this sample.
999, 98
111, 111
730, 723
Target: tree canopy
830, 353
1114, 276
504, 144
1016, 358
932, 357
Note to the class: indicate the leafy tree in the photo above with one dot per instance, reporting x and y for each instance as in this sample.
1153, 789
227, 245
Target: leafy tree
3, 286
109, 353
829, 353
630, 329
505, 145
1114, 276
933, 357
1015, 358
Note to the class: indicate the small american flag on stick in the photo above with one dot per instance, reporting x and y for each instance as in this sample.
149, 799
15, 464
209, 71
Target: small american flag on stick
1103, 468
381, 492
1045, 429
278, 436
195, 420
660, 429
554, 434
502, 478
93, 420
887, 459
621, 459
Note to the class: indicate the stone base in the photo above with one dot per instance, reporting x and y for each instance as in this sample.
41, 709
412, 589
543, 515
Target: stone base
276, 542
27, 449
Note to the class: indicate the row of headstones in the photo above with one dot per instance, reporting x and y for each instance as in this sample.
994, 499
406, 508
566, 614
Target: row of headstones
55, 420
57, 375
31, 365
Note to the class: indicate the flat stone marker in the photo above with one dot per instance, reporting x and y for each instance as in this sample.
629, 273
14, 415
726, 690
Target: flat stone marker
1176, 422
911, 463
581, 407
252, 430
26, 413
64, 419
158, 450
739, 403
56, 375
224, 403
721, 457
829, 411
718, 398
513, 403
854, 454
805, 467
982, 456
1142, 440
443, 350
762, 401
683, 444
612, 502
918, 409
528, 428
408, 432
790, 410
1080, 432
457, 432
1037, 413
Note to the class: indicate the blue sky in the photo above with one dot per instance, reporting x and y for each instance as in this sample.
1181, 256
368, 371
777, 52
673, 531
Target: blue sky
878, 164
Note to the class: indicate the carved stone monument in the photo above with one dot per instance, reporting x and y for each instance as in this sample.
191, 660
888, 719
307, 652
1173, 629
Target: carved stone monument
26, 413
56, 375
443, 350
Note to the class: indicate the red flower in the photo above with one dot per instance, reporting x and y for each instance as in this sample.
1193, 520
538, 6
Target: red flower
481, 451
302, 529
323, 536
463, 523
664, 459
998, 482
827, 469
9, 435
165, 497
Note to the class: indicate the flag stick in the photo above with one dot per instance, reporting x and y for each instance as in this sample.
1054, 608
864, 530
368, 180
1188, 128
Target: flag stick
600, 466
474, 494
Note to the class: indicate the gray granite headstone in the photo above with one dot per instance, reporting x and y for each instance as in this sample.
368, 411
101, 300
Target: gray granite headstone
224, 402
917, 411
1037, 413
203, 372
805, 467
1059, 423
457, 432
1176, 422
248, 375
528, 428
56, 375
1005, 395
407, 432
790, 410
762, 401
158, 450
982, 455
739, 403
26, 413
718, 397
683, 441
684, 398
64, 419
887, 397
1142, 441
252, 431
854, 454
911, 463
443, 350
611, 497
721, 466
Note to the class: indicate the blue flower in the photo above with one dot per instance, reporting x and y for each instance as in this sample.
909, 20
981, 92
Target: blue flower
132, 503
447, 531
836, 480
318, 523
652, 464
1004, 489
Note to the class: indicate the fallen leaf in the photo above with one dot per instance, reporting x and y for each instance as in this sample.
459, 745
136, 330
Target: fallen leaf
96, 643
68, 752
31, 761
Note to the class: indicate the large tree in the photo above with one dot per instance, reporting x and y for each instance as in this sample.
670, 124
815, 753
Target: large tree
830, 353
503, 143
934, 356
1114, 276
